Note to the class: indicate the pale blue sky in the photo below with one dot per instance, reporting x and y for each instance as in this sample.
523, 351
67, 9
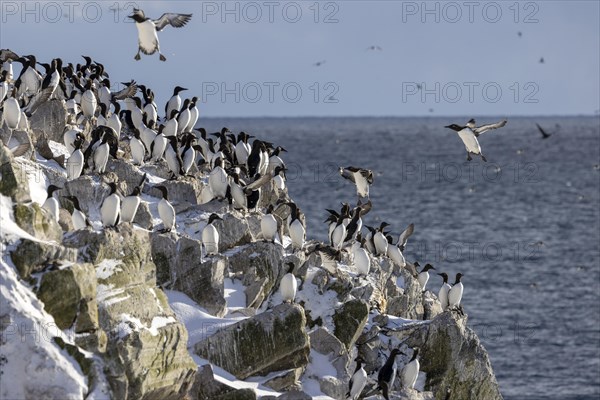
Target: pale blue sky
209, 55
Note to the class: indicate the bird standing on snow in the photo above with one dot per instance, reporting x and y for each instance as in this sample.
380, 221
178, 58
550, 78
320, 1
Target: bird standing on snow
357, 382
148, 30
410, 372
288, 285
210, 236
469, 134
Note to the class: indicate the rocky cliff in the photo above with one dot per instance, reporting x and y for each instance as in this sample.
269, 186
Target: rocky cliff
135, 313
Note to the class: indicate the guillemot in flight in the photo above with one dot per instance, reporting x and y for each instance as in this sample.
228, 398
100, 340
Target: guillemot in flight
148, 30
362, 178
469, 134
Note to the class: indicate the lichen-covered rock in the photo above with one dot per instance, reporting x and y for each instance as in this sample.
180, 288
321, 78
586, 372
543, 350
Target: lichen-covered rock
183, 190
409, 304
272, 341
233, 231
349, 321
261, 265
143, 217
90, 193
454, 359
239, 394
205, 385
333, 387
50, 117
13, 178
33, 256
322, 341
285, 381
180, 266
126, 172
36, 221
69, 295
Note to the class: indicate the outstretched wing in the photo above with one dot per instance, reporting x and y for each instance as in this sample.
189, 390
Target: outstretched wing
405, 235
484, 128
175, 20
128, 91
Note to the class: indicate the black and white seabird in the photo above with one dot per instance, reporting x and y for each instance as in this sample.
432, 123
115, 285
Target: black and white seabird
395, 253
362, 261
387, 374
269, 225
362, 178
329, 257
111, 207
51, 203
469, 134
410, 372
358, 381
423, 276
131, 203
210, 236
296, 227
288, 285
101, 155
405, 235
217, 180
137, 147
174, 103
80, 221
166, 212
380, 241
148, 30
444, 290
456, 292
75, 161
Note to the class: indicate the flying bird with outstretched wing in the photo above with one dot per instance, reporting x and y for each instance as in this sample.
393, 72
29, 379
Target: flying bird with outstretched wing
148, 30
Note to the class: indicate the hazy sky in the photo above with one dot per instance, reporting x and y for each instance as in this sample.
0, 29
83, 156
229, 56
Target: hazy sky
256, 58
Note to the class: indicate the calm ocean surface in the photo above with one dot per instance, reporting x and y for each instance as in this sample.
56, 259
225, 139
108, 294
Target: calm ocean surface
523, 228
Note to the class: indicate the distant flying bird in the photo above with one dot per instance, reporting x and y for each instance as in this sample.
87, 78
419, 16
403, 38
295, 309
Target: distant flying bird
520, 34
470, 133
542, 60
319, 63
431, 110
545, 135
374, 47
148, 28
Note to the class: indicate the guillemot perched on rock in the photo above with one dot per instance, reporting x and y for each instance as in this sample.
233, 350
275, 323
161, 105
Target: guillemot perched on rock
455, 293
444, 290
210, 236
288, 285
148, 28
387, 374
358, 381
80, 221
469, 134
424, 275
111, 207
166, 211
410, 372
51, 204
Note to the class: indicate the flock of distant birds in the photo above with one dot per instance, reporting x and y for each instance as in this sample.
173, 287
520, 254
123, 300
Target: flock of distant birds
99, 120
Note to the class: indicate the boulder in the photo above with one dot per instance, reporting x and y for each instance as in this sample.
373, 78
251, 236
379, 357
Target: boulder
261, 265
181, 267
233, 231
34, 256
36, 221
349, 321
268, 342
183, 190
51, 118
13, 178
69, 295
285, 381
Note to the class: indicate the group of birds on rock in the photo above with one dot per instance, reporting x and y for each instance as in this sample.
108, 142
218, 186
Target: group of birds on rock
103, 125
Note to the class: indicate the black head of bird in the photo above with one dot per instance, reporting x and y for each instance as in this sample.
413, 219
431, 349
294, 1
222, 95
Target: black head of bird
52, 189
458, 278
444, 276
113, 187
213, 217
178, 89
291, 266
427, 267
454, 127
163, 191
